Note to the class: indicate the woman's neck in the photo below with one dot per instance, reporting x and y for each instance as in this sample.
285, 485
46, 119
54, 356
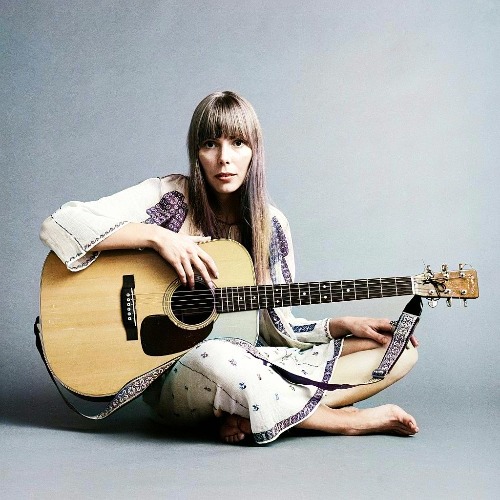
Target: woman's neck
229, 210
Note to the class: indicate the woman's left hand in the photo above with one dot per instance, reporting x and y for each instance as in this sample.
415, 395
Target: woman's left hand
377, 329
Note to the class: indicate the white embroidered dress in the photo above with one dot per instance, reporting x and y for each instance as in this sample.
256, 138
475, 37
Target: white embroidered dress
219, 374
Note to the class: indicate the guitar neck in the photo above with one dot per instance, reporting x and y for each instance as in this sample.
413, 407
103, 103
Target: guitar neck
246, 298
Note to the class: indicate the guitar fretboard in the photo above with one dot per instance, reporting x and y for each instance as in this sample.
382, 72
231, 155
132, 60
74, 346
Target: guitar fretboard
246, 298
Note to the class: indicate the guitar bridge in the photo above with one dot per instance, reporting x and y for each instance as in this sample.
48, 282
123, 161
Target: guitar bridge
127, 304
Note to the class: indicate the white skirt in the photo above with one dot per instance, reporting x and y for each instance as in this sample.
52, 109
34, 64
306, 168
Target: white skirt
258, 383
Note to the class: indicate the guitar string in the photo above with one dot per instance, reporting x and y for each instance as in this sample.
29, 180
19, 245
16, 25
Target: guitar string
188, 299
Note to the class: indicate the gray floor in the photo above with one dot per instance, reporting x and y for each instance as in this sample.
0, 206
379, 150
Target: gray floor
49, 452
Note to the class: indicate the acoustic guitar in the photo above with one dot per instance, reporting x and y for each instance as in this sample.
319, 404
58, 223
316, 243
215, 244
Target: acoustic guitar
128, 313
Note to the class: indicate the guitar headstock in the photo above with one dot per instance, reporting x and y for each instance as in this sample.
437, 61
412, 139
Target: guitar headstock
461, 284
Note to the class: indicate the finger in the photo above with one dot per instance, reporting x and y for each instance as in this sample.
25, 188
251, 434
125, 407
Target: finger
203, 271
381, 339
383, 325
180, 273
189, 272
414, 341
208, 262
199, 239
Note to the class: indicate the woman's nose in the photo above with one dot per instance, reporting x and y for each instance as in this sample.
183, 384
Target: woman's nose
224, 154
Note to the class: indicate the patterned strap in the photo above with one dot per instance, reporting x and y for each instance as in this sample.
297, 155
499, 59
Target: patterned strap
405, 327
125, 395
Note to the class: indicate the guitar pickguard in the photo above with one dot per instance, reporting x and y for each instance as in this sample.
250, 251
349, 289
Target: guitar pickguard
161, 336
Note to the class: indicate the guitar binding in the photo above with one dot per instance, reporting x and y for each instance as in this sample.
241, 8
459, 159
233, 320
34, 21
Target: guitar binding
190, 309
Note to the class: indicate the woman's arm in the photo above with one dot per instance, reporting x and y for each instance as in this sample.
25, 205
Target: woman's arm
181, 251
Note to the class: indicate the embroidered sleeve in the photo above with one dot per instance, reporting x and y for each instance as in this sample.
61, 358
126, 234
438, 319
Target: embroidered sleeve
279, 325
73, 230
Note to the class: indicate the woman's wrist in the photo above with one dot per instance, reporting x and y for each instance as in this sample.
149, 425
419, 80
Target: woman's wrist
337, 327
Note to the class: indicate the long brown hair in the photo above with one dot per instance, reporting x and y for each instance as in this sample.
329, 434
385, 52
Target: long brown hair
229, 114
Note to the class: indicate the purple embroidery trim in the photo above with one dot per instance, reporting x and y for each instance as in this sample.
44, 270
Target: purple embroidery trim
304, 328
170, 212
278, 251
276, 321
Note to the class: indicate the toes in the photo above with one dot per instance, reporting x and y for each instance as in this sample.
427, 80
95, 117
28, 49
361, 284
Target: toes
234, 429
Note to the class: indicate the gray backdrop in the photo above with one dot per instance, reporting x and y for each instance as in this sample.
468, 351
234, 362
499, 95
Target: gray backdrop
381, 122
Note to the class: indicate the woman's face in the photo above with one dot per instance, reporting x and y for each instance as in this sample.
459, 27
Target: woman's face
225, 162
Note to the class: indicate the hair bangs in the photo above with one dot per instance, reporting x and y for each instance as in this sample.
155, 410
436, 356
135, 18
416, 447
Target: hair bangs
225, 118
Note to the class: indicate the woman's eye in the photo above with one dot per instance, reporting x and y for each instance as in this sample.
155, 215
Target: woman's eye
209, 144
238, 142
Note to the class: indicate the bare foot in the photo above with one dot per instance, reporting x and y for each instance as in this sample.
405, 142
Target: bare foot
234, 428
383, 419
351, 421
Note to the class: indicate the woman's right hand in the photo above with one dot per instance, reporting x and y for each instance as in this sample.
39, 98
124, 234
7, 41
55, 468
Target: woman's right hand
181, 251
185, 255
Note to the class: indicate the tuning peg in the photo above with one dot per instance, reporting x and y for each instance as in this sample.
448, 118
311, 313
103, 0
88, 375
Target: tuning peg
444, 269
448, 301
464, 302
432, 302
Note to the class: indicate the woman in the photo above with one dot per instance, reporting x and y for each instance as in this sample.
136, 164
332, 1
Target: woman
249, 388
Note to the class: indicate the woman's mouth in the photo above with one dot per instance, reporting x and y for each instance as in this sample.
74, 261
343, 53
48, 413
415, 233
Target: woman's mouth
224, 176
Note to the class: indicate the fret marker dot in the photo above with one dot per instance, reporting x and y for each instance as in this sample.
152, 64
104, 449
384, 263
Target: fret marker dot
348, 290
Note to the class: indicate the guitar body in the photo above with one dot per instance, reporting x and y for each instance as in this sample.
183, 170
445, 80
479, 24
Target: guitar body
82, 330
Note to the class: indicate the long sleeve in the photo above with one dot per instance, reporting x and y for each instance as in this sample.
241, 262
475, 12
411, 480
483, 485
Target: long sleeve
278, 326
73, 230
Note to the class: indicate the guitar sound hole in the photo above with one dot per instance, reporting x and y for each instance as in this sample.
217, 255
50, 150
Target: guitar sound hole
193, 307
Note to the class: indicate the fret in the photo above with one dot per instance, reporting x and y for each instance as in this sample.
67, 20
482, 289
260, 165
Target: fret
336, 291
348, 290
324, 293
404, 285
294, 294
303, 289
253, 298
265, 296
219, 305
374, 288
315, 293
261, 298
287, 295
240, 298
281, 296
361, 289
388, 287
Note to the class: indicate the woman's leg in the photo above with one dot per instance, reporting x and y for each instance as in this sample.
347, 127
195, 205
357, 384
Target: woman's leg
355, 367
